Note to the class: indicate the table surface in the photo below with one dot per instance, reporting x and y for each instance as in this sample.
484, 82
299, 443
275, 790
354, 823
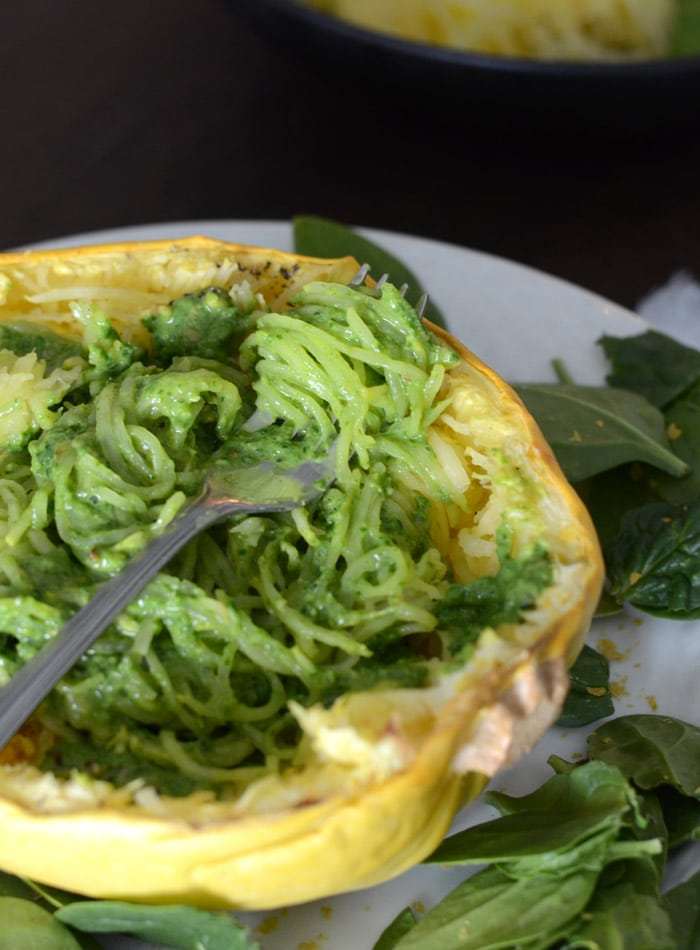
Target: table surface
157, 110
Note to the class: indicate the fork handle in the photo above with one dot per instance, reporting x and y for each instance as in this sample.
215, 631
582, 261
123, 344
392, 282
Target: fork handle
35, 680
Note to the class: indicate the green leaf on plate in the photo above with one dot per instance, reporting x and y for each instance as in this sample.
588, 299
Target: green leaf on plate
578, 860
685, 36
625, 912
26, 926
568, 809
48, 898
491, 910
562, 766
592, 429
621, 919
321, 237
681, 815
181, 927
11, 886
561, 371
683, 905
683, 427
607, 606
651, 364
590, 789
398, 928
645, 874
589, 696
51, 897
654, 563
651, 751
610, 495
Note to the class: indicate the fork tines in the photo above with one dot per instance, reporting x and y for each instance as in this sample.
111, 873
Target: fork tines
359, 277
362, 273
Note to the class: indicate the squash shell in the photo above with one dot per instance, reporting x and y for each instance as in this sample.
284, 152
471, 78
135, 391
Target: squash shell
345, 841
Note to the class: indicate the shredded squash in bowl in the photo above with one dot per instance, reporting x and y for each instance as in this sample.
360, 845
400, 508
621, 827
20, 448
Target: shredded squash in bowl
538, 29
299, 705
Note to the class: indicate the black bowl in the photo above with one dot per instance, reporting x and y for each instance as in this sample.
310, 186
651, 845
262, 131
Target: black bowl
647, 96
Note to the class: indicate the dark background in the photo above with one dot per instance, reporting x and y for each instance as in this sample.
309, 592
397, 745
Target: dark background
155, 110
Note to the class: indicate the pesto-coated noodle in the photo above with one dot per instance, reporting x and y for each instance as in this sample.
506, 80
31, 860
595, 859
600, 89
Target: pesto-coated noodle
191, 686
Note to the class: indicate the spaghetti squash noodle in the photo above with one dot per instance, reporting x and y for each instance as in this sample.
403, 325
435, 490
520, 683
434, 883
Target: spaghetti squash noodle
105, 440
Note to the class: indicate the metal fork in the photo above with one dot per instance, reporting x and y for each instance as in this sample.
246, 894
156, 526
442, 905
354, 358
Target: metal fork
263, 489
362, 275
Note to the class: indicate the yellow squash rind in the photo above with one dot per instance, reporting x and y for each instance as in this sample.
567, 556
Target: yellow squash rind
347, 840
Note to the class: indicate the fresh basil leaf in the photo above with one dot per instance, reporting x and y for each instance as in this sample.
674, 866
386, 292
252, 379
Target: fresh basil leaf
610, 495
567, 855
184, 928
623, 920
11, 886
86, 941
563, 812
398, 928
683, 427
517, 837
589, 694
561, 766
681, 815
685, 35
651, 364
642, 872
683, 905
651, 751
596, 844
594, 852
607, 606
51, 897
491, 910
590, 669
592, 429
588, 787
654, 563
487, 912
561, 371
26, 926
320, 237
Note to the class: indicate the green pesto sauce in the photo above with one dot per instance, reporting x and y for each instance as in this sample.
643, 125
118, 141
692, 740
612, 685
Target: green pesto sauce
190, 687
24, 338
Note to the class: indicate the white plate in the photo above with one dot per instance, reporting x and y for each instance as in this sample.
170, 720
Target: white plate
516, 319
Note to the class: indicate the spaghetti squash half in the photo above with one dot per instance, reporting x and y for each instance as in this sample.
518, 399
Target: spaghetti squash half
299, 705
